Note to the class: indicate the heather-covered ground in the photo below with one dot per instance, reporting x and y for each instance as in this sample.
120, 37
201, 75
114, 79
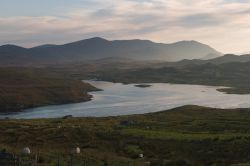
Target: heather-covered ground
189, 135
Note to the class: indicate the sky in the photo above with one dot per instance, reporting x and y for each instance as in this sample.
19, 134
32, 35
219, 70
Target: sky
222, 24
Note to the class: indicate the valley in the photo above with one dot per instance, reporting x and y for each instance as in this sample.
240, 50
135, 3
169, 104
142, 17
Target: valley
28, 87
45, 105
125, 83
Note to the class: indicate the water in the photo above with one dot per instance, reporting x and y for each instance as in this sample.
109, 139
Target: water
118, 99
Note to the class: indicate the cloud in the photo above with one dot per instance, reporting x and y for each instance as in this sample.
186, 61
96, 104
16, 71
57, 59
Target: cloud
220, 23
200, 20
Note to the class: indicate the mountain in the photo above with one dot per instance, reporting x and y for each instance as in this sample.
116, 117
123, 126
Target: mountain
99, 48
9, 50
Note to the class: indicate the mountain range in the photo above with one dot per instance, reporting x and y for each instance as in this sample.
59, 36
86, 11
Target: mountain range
99, 48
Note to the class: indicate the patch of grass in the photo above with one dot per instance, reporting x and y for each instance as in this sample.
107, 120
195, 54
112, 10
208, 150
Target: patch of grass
165, 135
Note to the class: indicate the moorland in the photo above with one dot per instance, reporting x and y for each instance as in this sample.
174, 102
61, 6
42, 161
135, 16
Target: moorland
189, 135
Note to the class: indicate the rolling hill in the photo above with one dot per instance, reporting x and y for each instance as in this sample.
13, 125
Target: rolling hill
228, 58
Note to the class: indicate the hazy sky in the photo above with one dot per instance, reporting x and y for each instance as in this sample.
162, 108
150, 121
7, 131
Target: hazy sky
223, 24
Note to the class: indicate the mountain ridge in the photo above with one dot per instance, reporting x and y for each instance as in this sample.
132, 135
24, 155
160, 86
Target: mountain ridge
98, 48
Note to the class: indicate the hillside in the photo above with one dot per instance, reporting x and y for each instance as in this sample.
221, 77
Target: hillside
99, 48
22, 88
227, 58
230, 58
184, 136
234, 75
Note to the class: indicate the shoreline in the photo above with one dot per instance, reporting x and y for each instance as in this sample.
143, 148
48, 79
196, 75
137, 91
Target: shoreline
32, 109
86, 97
124, 116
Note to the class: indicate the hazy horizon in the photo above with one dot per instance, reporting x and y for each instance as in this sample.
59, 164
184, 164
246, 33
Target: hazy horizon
221, 24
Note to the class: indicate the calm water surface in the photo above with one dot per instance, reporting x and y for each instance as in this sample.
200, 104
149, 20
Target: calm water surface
119, 99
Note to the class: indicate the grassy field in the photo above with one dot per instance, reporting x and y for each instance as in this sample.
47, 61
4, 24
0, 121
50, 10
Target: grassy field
189, 135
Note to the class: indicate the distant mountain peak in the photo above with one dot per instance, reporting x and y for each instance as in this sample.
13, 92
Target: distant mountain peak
92, 41
11, 46
191, 42
141, 40
187, 41
96, 39
99, 48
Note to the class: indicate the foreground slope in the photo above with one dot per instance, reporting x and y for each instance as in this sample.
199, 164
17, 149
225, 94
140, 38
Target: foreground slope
188, 135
